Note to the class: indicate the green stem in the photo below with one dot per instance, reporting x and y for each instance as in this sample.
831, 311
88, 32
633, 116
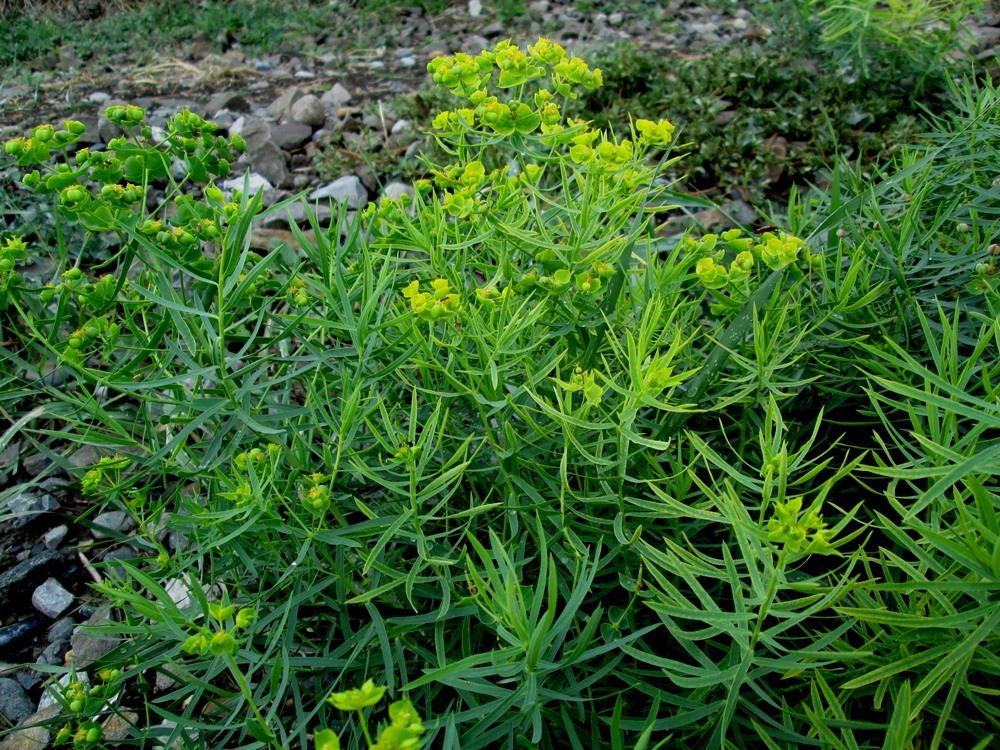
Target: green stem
364, 727
245, 690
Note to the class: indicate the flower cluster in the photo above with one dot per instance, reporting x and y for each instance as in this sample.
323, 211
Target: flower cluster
219, 641
402, 733
437, 304
86, 702
807, 534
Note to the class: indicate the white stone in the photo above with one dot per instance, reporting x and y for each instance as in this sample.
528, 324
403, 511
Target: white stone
309, 111
336, 97
53, 537
248, 184
49, 696
475, 8
51, 599
347, 189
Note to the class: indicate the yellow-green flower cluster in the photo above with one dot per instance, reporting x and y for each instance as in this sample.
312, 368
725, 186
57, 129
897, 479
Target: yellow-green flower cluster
586, 382
220, 641
804, 535
402, 733
437, 304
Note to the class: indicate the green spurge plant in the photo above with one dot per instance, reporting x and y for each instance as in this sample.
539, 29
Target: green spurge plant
497, 448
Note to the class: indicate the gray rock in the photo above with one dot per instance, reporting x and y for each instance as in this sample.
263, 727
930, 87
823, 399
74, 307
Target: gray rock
9, 455
14, 703
269, 162
98, 97
85, 456
112, 556
54, 537
54, 654
305, 75
408, 62
61, 630
296, 214
32, 733
308, 110
119, 726
25, 573
336, 97
30, 503
230, 100
255, 132
474, 44
111, 522
291, 135
616, 19
400, 126
475, 8
283, 104
394, 190
347, 189
51, 599
89, 647
249, 184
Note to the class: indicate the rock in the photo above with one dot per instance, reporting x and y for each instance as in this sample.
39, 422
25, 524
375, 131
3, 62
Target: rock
51, 599
106, 130
85, 456
309, 110
475, 8
118, 572
347, 189
249, 183
179, 591
269, 161
291, 135
336, 97
32, 733
10, 454
12, 636
26, 573
89, 647
616, 19
54, 537
230, 100
394, 190
283, 104
110, 523
119, 726
98, 97
28, 504
474, 44
408, 62
61, 630
54, 654
296, 214
14, 703
400, 126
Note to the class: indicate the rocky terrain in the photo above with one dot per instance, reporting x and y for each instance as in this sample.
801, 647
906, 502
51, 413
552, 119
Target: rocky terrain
319, 118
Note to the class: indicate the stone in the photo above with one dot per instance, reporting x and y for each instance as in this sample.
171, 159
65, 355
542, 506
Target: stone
14, 703
269, 161
408, 62
98, 97
51, 599
309, 110
25, 573
249, 183
291, 135
230, 100
395, 190
118, 572
88, 647
85, 456
615, 19
283, 104
119, 726
28, 504
400, 126
475, 8
110, 523
336, 97
33, 732
347, 189
54, 537
61, 630
296, 214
